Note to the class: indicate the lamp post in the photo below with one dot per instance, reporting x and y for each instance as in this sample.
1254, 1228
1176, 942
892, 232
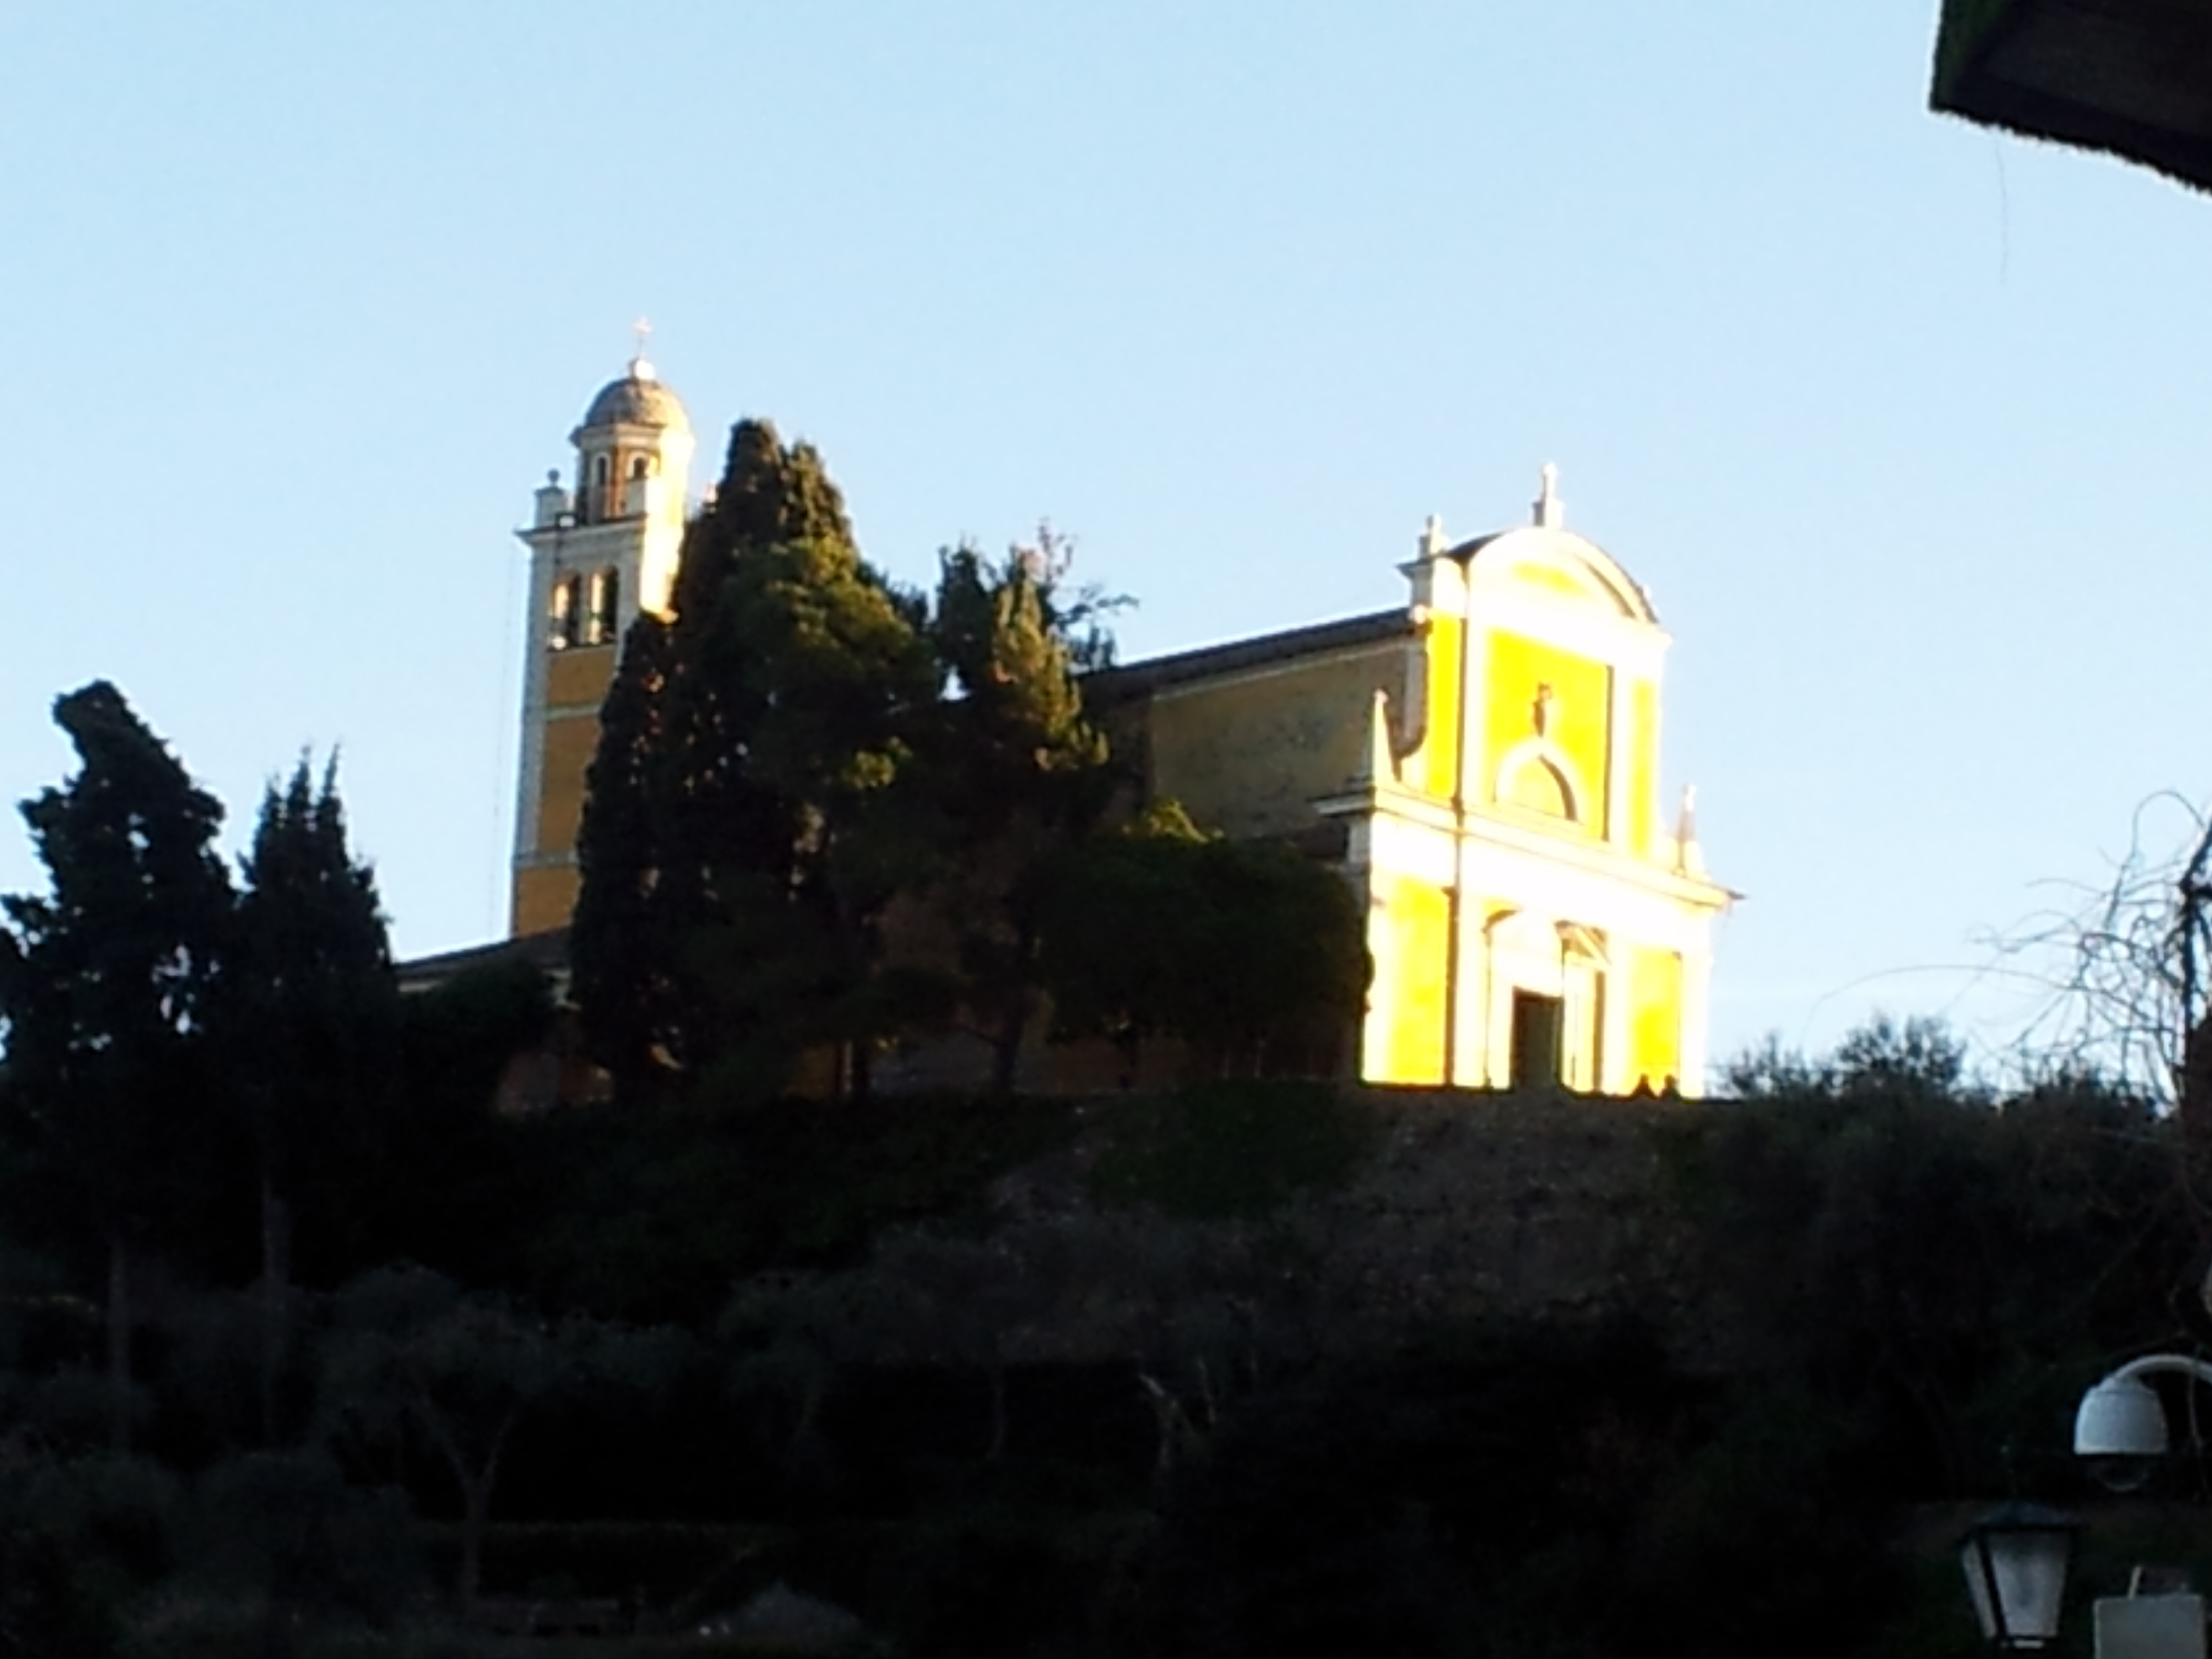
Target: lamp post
2016, 1556
2015, 1559
2121, 1430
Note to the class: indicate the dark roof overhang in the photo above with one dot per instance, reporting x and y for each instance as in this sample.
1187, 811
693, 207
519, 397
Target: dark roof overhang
547, 951
2130, 77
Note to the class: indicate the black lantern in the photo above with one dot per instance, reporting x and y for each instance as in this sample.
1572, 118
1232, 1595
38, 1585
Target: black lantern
2016, 1558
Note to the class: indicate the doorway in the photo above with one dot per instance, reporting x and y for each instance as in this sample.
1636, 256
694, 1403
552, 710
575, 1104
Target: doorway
1538, 1027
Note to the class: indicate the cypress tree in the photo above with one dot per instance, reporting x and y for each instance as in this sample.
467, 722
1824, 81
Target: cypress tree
1019, 771
105, 981
770, 496
756, 772
307, 1018
834, 677
618, 980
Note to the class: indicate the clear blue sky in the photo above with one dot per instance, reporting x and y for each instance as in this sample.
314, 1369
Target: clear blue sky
1903, 424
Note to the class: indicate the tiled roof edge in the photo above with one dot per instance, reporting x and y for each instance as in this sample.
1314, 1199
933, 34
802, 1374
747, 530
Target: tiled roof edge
548, 950
1153, 674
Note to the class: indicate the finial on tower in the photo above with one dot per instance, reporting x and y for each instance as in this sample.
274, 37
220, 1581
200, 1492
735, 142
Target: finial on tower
1433, 537
1551, 513
640, 368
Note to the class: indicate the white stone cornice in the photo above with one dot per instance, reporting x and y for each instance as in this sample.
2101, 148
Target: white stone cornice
1580, 851
1597, 858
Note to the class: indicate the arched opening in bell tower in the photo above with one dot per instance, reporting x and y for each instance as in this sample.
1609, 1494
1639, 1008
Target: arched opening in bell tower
605, 618
565, 614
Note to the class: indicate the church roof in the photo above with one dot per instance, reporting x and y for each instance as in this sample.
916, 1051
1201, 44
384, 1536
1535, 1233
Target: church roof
638, 399
548, 951
1156, 673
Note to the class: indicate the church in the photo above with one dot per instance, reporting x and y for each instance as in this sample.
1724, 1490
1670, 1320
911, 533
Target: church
1480, 762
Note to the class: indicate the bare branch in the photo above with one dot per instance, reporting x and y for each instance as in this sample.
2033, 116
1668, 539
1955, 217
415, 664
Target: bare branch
2124, 963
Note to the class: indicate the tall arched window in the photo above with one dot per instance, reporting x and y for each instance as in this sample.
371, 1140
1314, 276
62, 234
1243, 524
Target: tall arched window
606, 606
565, 622
633, 492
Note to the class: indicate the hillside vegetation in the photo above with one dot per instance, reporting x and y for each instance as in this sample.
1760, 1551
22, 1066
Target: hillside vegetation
307, 1350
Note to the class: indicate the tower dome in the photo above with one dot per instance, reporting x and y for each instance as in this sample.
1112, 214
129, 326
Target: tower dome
632, 449
638, 399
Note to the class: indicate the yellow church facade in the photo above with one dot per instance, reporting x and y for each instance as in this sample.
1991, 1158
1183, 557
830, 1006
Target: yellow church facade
1480, 762
1483, 765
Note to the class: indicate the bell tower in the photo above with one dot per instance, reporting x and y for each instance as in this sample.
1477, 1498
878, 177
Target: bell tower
603, 547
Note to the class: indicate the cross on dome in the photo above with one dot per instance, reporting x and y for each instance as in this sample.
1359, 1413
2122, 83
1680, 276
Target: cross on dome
639, 397
1550, 511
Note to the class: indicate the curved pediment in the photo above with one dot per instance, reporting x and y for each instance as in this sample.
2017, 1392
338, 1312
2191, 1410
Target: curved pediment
1559, 565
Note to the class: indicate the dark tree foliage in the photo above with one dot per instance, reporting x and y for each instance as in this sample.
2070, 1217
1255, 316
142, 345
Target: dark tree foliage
1110, 969
617, 940
771, 494
1251, 953
757, 840
411, 1351
840, 675
411, 1348
306, 1024
79, 1539
453, 1192
1527, 1491
1278, 966
307, 1018
1015, 772
105, 981
1918, 1060
715, 810
1971, 1256
675, 828
824, 816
